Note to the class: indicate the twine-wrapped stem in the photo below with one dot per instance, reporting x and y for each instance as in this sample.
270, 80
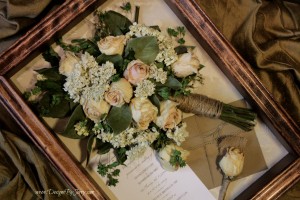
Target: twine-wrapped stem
208, 107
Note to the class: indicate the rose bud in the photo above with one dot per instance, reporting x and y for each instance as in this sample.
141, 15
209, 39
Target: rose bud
94, 110
143, 112
187, 64
66, 64
119, 93
112, 45
165, 157
232, 162
136, 72
170, 115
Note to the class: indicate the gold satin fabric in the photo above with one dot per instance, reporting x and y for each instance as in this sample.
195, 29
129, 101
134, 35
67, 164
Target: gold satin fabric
267, 35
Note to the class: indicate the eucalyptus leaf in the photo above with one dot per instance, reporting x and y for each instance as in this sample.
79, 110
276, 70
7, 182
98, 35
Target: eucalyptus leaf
77, 116
116, 23
173, 83
89, 147
145, 48
155, 101
117, 60
119, 118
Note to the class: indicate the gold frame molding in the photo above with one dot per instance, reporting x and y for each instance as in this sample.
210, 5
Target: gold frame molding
270, 186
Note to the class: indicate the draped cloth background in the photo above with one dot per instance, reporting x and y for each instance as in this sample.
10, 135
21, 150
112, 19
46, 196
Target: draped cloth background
267, 35
18, 14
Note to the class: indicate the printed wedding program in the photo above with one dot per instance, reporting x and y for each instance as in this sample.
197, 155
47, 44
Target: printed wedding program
145, 179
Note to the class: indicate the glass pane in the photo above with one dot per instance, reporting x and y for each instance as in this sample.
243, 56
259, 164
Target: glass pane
204, 133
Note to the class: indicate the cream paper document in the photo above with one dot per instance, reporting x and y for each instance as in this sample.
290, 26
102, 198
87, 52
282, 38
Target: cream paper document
145, 179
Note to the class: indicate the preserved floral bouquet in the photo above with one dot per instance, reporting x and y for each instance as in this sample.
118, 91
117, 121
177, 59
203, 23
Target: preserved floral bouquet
123, 90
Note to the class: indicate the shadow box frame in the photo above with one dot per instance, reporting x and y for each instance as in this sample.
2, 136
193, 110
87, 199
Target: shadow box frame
271, 185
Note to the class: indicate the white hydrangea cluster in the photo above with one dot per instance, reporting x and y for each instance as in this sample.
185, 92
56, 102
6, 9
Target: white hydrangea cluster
167, 53
144, 89
81, 128
137, 151
179, 134
129, 137
88, 80
158, 74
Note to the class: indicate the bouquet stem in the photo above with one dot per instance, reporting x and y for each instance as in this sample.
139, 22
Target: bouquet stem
243, 118
224, 187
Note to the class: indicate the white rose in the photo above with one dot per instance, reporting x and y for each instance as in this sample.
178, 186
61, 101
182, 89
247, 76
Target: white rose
170, 115
143, 112
95, 109
119, 93
186, 65
164, 156
66, 64
112, 45
136, 72
232, 162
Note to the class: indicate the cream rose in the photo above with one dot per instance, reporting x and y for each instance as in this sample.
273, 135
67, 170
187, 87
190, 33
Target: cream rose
95, 109
170, 115
232, 162
112, 45
66, 64
186, 65
165, 154
143, 112
119, 93
136, 72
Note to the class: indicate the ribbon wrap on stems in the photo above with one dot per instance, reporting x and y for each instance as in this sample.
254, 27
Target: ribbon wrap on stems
202, 105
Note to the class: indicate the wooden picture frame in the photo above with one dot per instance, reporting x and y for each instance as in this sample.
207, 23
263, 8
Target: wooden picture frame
269, 186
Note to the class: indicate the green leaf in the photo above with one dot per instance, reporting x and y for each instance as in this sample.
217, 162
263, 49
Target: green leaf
176, 159
119, 118
77, 116
50, 73
181, 41
102, 147
116, 23
145, 48
89, 148
53, 105
52, 57
121, 155
117, 60
126, 6
164, 92
155, 101
50, 85
181, 49
172, 32
173, 83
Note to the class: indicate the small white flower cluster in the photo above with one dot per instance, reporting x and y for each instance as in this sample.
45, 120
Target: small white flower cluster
88, 80
165, 43
137, 151
41, 77
158, 74
81, 128
179, 134
144, 89
129, 137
